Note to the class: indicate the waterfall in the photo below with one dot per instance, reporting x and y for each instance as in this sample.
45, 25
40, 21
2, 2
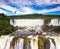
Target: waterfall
30, 42
34, 43
12, 22
55, 22
33, 22
19, 44
5, 42
52, 46
26, 22
57, 41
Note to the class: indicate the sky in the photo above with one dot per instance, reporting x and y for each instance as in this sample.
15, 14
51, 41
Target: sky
23, 7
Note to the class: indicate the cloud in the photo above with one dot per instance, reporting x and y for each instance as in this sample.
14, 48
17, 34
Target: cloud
48, 10
8, 7
48, 2
29, 2
20, 2
2, 11
27, 9
33, 2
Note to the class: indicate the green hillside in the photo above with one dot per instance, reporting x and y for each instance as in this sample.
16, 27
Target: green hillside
33, 16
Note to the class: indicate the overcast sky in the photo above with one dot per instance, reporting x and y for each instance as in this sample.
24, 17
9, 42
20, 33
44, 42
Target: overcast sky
22, 7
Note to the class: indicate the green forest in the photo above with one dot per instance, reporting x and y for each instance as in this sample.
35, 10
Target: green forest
5, 27
33, 16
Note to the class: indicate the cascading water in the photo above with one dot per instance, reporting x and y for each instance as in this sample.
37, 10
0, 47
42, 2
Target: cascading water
19, 44
52, 46
34, 43
26, 22
33, 22
30, 43
55, 22
5, 42
57, 41
12, 22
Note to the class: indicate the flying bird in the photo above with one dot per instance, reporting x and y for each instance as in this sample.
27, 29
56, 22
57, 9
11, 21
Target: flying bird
15, 11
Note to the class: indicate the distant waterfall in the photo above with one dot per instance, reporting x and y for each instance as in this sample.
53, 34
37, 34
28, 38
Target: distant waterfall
52, 46
12, 22
26, 22
33, 22
55, 22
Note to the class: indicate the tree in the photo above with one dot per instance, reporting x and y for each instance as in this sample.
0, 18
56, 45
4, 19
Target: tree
5, 27
56, 29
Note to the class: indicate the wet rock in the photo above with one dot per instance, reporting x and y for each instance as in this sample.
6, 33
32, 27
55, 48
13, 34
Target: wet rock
47, 44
